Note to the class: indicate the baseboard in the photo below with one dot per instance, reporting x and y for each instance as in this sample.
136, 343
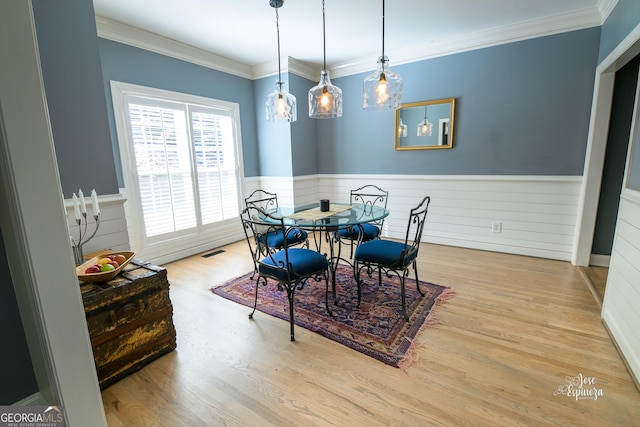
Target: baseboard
599, 260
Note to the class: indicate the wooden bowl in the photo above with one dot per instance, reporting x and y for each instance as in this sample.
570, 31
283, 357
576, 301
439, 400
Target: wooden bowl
102, 276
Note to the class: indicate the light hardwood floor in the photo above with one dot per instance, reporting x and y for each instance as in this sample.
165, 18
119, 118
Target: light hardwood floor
516, 329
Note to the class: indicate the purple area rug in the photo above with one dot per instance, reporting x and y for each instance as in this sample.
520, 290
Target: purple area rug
376, 328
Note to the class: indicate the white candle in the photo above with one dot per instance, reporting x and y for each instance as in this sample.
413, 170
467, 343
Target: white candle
94, 200
83, 205
76, 206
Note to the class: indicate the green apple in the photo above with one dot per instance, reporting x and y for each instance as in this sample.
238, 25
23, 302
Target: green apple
107, 267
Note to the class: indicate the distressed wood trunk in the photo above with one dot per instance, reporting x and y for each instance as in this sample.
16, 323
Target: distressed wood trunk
130, 320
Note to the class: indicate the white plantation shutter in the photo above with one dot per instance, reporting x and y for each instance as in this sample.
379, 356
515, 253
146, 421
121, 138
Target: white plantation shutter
215, 165
163, 165
185, 166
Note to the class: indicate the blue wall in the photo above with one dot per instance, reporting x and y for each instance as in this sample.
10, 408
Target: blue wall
521, 109
620, 22
137, 66
274, 150
70, 60
287, 149
304, 131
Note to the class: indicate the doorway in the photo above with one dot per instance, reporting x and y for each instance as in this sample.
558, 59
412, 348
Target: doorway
617, 144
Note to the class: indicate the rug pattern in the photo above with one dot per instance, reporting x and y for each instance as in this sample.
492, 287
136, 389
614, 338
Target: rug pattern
376, 328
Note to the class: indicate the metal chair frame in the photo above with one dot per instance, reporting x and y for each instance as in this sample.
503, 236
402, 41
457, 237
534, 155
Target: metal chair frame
408, 256
268, 202
264, 258
369, 195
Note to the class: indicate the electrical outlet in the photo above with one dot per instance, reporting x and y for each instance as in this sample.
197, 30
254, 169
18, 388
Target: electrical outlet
496, 227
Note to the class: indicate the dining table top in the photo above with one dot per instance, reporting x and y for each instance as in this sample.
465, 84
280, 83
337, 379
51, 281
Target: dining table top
338, 215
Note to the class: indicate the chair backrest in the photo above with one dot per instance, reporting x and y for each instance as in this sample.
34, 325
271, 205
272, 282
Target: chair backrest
415, 226
257, 224
370, 195
262, 199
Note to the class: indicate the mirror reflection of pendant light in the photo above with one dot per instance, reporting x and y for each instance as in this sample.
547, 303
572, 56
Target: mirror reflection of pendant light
382, 88
280, 104
402, 129
325, 99
425, 127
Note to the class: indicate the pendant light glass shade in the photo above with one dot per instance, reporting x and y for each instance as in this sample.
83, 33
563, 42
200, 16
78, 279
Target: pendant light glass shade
425, 127
325, 99
280, 105
402, 129
382, 88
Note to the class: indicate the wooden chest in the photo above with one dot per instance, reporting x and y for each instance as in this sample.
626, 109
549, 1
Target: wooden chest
130, 320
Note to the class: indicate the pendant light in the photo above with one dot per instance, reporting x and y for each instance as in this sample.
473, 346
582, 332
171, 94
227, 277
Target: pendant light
425, 127
280, 104
382, 88
402, 129
325, 99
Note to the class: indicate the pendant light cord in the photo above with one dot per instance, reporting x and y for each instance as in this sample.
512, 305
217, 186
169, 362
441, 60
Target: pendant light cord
383, 31
324, 41
278, 32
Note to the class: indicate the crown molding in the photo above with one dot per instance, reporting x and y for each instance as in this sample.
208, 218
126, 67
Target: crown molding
304, 69
291, 65
132, 36
560, 23
605, 7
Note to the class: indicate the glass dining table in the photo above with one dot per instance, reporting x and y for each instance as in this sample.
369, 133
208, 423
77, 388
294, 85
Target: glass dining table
324, 226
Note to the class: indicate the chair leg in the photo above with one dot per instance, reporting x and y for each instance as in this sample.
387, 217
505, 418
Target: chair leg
403, 297
415, 269
326, 295
255, 301
356, 274
290, 295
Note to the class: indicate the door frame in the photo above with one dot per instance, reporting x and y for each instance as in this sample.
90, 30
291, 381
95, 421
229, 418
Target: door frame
597, 144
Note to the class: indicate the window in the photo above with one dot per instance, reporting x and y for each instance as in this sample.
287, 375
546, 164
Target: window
182, 170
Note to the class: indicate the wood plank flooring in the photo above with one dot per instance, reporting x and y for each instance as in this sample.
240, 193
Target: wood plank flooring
517, 328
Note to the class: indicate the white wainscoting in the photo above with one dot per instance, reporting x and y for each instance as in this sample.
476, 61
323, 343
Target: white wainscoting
112, 233
621, 305
537, 213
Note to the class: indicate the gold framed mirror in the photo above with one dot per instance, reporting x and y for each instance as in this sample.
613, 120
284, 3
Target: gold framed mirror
426, 125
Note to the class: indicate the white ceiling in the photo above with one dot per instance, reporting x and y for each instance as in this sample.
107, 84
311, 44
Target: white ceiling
245, 30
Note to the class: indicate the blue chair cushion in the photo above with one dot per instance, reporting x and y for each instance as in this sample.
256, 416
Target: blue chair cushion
385, 252
370, 232
303, 263
275, 239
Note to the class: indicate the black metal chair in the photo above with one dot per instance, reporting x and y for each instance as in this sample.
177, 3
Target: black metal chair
268, 202
274, 239
368, 195
290, 267
392, 256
